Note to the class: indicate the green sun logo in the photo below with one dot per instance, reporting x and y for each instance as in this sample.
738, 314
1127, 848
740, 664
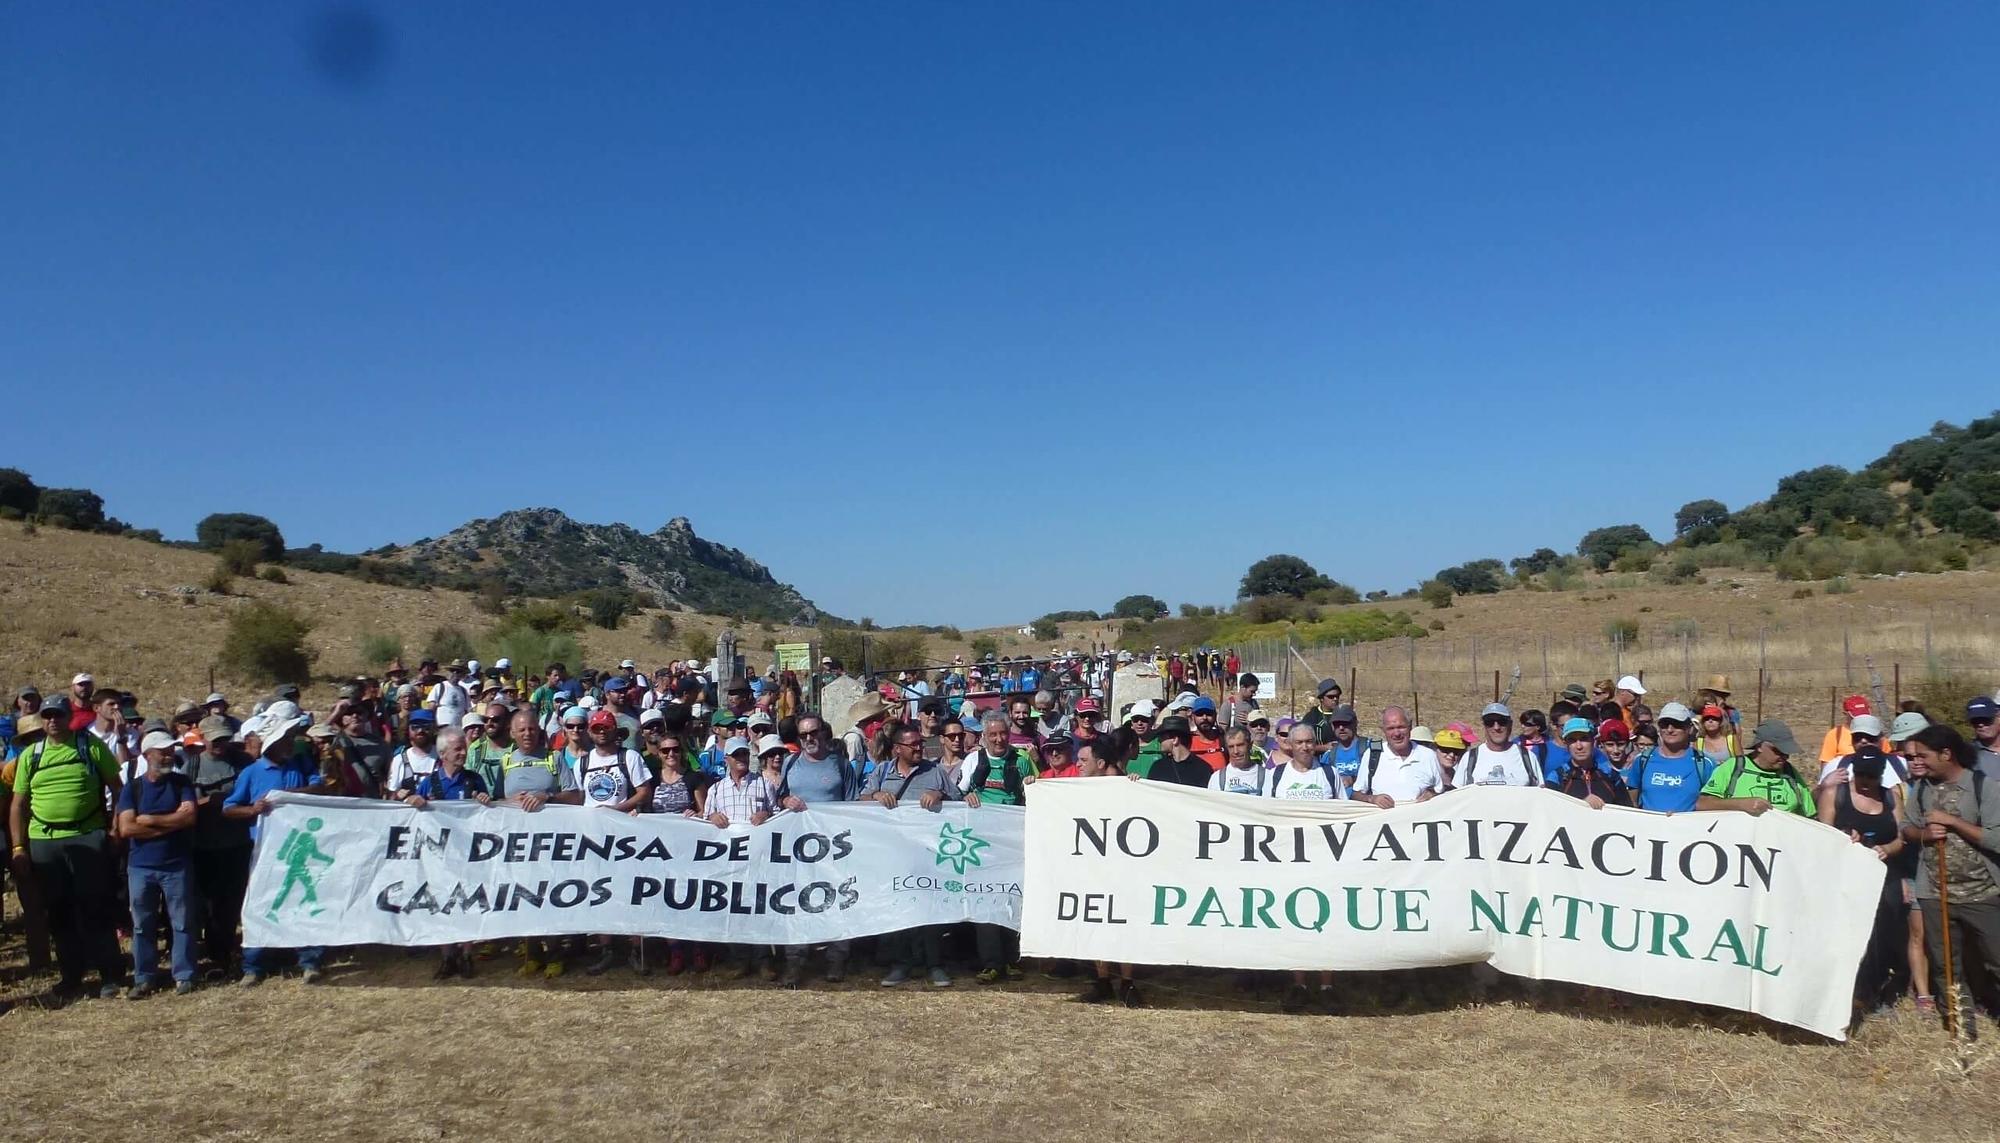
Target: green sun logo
959, 848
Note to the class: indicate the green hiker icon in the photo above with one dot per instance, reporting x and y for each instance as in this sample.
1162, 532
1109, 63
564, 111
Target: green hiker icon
298, 853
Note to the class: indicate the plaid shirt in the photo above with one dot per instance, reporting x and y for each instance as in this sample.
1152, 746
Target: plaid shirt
738, 802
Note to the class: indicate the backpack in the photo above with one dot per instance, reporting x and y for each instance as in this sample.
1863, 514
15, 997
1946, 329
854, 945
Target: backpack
1366, 773
86, 756
1263, 772
1010, 773
1528, 764
1791, 775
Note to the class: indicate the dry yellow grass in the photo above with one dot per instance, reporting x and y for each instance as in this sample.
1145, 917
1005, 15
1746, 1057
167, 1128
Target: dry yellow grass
381, 1053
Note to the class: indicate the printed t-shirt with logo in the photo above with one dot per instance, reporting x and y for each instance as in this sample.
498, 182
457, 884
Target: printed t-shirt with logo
1670, 785
1742, 778
1248, 780
1309, 785
608, 779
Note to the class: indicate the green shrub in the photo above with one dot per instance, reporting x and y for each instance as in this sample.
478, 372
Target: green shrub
607, 606
1684, 628
272, 573
951, 633
1044, 628
984, 645
1802, 593
1437, 624
221, 528
529, 648
1636, 559
698, 645
901, 647
239, 557
447, 643
220, 581
1623, 631
377, 649
543, 615
1838, 585
1437, 593
490, 598
661, 629
266, 643
9, 512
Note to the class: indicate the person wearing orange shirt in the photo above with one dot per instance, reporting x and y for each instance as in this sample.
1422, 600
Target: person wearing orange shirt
1839, 740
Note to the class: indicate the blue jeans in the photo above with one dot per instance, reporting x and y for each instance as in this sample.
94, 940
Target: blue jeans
178, 900
259, 960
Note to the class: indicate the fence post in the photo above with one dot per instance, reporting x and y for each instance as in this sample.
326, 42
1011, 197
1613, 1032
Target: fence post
1687, 666
1475, 660
1760, 695
1496, 684
1899, 685
1411, 640
1546, 685
1847, 655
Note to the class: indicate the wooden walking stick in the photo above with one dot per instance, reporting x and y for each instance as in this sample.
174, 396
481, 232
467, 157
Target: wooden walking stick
1944, 924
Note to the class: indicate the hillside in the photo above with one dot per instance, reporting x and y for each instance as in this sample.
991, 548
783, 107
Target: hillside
542, 552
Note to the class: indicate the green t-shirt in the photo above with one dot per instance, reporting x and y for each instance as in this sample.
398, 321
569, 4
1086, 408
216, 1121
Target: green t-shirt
64, 798
1142, 763
1742, 778
483, 758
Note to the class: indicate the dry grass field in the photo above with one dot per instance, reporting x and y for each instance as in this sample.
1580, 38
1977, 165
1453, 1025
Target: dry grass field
380, 1052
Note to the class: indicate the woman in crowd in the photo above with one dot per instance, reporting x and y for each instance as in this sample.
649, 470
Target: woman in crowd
1865, 810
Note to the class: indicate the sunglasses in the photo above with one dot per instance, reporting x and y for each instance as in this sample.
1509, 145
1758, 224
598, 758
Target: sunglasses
572, 726
1680, 725
1496, 720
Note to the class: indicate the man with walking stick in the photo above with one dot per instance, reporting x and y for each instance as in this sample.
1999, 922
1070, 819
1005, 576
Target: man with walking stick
1951, 815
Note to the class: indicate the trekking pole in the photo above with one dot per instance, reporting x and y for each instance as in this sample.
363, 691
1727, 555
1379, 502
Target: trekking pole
1944, 923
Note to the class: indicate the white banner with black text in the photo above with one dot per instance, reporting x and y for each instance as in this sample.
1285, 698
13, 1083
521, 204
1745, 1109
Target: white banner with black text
1767, 914
334, 871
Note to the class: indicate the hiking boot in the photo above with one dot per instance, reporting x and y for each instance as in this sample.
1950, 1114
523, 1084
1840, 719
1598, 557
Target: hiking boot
464, 968
940, 978
676, 963
702, 960
141, 989
444, 970
1100, 991
529, 967
251, 979
1012, 972
836, 970
183, 987
314, 975
602, 964
552, 970
1296, 998
1324, 1001
897, 975
989, 976
791, 977
110, 990
1128, 994
215, 975
1927, 1004
638, 962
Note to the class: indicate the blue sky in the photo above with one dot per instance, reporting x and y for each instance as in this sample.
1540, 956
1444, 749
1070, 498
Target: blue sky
1087, 299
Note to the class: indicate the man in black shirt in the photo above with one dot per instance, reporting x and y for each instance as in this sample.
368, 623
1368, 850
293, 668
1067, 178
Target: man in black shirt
1178, 762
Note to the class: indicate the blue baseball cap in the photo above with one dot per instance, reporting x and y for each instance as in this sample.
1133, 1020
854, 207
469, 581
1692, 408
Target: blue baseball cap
1578, 726
423, 718
1982, 708
1204, 703
616, 683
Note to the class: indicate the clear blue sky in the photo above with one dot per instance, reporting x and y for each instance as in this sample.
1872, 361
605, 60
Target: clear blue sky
1204, 282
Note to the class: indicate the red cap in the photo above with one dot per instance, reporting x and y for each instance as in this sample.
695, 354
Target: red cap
1854, 705
602, 720
1612, 730
1713, 711
1088, 705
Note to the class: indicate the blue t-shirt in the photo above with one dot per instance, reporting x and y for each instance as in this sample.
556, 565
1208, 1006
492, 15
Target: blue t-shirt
264, 777
1670, 785
1346, 760
142, 795
1555, 762
1030, 680
437, 786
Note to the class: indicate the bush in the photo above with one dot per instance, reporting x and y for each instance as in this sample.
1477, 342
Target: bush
1139, 607
77, 508
266, 643
1838, 585
957, 636
1638, 558
220, 581
661, 629
529, 648
698, 645
377, 649
545, 616
1683, 568
221, 528
448, 642
1802, 593
272, 573
984, 645
9, 512
1045, 628
1684, 628
1436, 592
1624, 632
239, 557
607, 606
1437, 624
490, 598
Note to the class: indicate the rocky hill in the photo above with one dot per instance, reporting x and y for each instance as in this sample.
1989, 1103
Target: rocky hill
541, 551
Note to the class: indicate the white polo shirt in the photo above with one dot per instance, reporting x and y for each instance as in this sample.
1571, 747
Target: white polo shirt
1402, 779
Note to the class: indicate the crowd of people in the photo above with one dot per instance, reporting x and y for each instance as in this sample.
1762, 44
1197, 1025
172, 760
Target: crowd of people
127, 827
